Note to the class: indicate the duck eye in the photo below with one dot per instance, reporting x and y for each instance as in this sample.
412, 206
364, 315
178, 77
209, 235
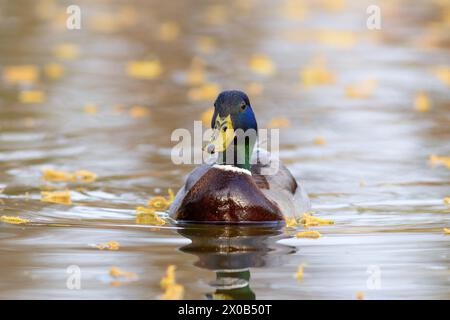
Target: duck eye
225, 128
243, 106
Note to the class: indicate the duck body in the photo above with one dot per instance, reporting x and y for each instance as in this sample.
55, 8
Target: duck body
231, 192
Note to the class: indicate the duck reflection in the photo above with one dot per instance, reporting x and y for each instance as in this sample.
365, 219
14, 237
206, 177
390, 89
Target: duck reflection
231, 250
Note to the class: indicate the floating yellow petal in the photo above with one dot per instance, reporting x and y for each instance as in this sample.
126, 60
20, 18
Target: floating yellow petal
439, 160
66, 51
150, 69
262, 64
207, 116
293, 9
13, 220
148, 218
443, 73
362, 90
61, 197
196, 72
21, 74
254, 88
447, 201
446, 231
299, 274
310, 221
111, 245
115, 272
206, 45
308, 234
320, 141
54, 70
205, 92
90, 108
169, 278
337, 38
278, 123
139, 112
422, 103
173, 291
56, 176
169, 31
290, 222
31, 96
316, 73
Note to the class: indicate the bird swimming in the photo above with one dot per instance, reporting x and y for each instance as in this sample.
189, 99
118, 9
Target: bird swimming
238, 187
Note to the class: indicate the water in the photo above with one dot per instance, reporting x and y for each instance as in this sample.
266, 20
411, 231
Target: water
371, 176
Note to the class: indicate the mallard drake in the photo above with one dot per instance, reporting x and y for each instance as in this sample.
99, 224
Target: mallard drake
239, 186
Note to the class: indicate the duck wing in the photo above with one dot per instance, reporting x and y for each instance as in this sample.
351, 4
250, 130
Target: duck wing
278, 184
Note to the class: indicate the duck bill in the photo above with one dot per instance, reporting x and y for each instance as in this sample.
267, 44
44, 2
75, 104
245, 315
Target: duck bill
222, 136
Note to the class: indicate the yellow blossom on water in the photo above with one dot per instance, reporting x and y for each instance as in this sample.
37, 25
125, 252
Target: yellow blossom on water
149, 69
290, 222
90, 108
206, 45
54, 70
146, 217
443, 74
279, 123
61, 197
207, 117
362, 90
169, 278
254, 88
196, 73
111, 245
169, 31
31, 96
205, 92
13, 220
84, 176
337, 38
447, 201
115, 272
66, 51
173, 291
293, 9
308, 234
104, 22
439, 160
139, 112
446, 231
360, 295
316, 73
56, 175
320, 141
159, 203
299, 274
422, 103
334, 5
21, 74
262, 64
216, 14
310, 221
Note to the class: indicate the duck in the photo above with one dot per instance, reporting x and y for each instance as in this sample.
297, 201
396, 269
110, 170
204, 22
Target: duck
243, 183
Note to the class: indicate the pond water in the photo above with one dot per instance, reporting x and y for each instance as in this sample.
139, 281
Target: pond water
363, 157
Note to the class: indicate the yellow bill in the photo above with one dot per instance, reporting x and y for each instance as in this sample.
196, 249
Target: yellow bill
222, 136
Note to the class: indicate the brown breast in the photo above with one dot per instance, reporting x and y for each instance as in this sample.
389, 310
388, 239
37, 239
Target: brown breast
227, 196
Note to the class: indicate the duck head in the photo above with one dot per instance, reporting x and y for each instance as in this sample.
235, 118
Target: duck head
234, 129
